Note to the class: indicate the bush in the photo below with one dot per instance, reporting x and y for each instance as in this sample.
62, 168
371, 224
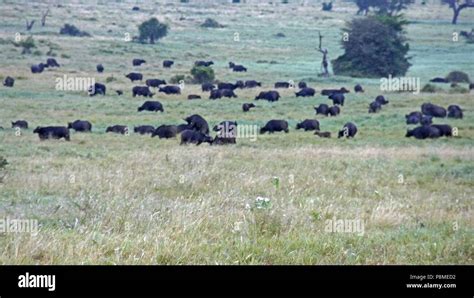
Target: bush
26, 44
72, 30
3, 165
152, 30
458, 77
177, 79
429, 88
202, 74
376, 48
211, 23
458, 89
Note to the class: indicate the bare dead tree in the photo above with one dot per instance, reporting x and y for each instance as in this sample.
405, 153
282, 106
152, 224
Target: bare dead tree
43, 17
29, 25
457, 6
324, 62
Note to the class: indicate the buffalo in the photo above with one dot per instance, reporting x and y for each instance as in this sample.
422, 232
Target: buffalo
413, 117
444, 129
38, 68
100, 68
334, 111
168, 63
219, 93
308, 124
226, 133
155, 82
166, 131
194, 137
282, 85
306, 92
349, 130
426, 120
374, 107
322, 109
271, 96
433, 110
327, 92
51, 62
193, 96
80, 126
337, 98
381, 100
275, 125
183, 127
97, 88
207, 87
52, 132
138, 62
240, 84
323, 134
302, 85
170, 90
358, 88
9, 82
20, 124
247, 106
134, 76
455, 111
203, 63
152, 106
252, 84
141, 91
423, 132
198, 123
119, 92
229, 86
122, 129
439, 80
239, 68
144, 129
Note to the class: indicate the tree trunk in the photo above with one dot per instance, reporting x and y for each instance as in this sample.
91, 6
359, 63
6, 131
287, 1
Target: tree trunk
456, 15
152, 39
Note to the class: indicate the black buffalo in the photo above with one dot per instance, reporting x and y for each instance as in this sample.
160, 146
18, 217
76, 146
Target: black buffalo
194, 137
219, 93
455, 111
141, 91
252, 84
337, 98
240, 84
207, 87
198, 123
51, 62
134, 76
423, 132
229, 86
170, 90
9, 82
226, 133
119, 92
168, 63
358, 88
433, 110
306, 92
322, 109
155, 82
439, 80
52, 132
122, 129
349, 130
323, 134
334, 111
275, 125
38, 68
20, 124
308, 124
282, 85
381, 100
239, 68
98, 88
144, 129
247, 106
80, 126
327, 92
183, 127
138, 62
444, 129
426, 120
413, 117
152, 106
374, 107
100, 68
271, 96
166, 131
302, 85
193, 96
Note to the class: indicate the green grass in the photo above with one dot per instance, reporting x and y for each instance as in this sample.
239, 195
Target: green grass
112, 199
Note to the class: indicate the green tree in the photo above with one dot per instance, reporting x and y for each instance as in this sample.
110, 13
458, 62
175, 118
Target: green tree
152, 30
202, 74
376, 47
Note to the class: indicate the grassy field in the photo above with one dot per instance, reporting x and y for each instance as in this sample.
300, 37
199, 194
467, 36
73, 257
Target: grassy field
113, 199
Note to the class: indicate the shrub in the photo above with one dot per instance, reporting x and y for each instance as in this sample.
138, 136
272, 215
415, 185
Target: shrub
376, 48
3, 165
211, 23
72, 30
202, 74
458, 89
458, 77
27, 44
152, 30
177, 78
429, 88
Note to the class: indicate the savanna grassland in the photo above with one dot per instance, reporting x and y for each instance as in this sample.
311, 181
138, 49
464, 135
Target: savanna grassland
115, 199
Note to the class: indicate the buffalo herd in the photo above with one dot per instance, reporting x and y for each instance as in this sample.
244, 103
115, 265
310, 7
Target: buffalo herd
196, 129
